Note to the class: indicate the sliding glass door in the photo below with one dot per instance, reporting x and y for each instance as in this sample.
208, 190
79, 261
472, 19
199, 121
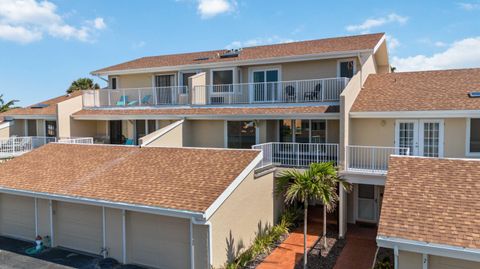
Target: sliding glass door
265, 85
303, 131
164, 89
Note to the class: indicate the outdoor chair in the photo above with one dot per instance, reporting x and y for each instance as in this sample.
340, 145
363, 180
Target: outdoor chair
123, 100
315, 95
290, 93
145, 100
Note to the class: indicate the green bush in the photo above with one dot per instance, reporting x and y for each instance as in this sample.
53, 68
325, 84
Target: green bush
384, 264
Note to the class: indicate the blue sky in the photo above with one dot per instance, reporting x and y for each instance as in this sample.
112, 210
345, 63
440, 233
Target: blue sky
44, 45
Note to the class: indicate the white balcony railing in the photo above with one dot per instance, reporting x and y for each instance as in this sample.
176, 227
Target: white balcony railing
296, 154
296, 91
135, 97
371, 159
16, 146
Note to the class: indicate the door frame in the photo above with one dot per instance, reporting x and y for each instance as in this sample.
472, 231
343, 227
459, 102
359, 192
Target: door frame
252, 70
376, 209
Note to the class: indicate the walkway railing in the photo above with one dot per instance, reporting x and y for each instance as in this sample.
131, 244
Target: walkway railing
371, 159
76, 140
295, 91
296, 154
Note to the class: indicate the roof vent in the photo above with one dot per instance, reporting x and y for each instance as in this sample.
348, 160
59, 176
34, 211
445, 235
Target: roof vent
40, 105
231, 53
201, 59
474, 94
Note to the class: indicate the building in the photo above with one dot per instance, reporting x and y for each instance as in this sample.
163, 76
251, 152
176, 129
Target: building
322, 100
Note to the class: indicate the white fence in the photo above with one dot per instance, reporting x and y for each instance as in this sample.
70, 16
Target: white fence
135, 97
371, 159
295, 91
76, 140
296, 154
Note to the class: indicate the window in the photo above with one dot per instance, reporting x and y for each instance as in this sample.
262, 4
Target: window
113, 83
265, 85
185, 81
223, 79
303, 131
51, 128
31, 127
346, 69
152, 126
474, 136
241, 134
140, 129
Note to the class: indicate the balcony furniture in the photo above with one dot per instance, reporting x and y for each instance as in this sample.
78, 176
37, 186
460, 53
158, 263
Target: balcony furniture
290, 93
129, 142
145, 101
123, 100
315, 95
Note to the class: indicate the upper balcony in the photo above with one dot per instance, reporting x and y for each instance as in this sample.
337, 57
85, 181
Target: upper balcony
295, 91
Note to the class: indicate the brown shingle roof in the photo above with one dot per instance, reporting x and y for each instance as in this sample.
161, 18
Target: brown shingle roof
183, 112
420, 91
49, 110
432, 200
177, 178
328, 45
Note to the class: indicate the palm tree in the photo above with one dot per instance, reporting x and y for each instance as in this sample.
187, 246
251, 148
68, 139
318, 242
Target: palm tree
318, 182
82, 84
6, 106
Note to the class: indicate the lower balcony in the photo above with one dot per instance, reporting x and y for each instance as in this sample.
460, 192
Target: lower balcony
300, 155
370, 159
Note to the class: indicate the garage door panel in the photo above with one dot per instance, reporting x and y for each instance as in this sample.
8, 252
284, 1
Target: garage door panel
17, 216
157, 241
437, 262
79, 227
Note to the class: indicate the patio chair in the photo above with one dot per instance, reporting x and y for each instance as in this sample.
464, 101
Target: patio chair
145, 100
123, 100
314, 95
129, 142
290, 93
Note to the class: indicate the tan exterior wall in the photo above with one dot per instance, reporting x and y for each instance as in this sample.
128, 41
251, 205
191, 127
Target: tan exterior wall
113, 233
205, 133
309, 70
165, 137
5, 131
372, 132
134, 81
43, 217
200, 244
65, 124
455, 136
437, 262
237, 220
409, 260
333, 131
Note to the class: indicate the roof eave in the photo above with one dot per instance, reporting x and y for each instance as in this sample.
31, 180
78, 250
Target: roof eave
416, 114
274, 60
429, 248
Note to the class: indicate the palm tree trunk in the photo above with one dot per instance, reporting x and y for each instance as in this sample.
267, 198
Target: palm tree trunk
325, 226
305, 218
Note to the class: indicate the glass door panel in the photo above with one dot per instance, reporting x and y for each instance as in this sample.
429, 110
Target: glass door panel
259, 86
366, 203
265, 85
407, 137
430, 139
164, 89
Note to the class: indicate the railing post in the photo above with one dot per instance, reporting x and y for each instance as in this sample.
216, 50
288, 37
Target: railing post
323, 90
109, 97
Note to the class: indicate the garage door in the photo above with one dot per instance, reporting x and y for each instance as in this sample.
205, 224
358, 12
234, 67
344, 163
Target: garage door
17, 216
78, 227
437, 262
158, 241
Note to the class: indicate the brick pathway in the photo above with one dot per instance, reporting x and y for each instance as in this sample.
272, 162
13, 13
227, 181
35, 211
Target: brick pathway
290, 251
359, 251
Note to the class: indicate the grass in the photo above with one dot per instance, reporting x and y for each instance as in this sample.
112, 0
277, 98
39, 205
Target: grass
266, 240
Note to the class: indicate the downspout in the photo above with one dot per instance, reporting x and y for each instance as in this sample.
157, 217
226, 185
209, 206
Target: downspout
192, 246
395, 253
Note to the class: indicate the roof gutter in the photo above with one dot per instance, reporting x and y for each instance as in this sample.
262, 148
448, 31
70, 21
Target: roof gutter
429, 248
296, 58
417, 114
118, 205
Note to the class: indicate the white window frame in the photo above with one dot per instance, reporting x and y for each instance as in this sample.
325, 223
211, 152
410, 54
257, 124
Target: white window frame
234, 74
467, 140
277, 68
347, 60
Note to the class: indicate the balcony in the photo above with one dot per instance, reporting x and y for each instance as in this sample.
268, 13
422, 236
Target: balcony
371, 159
15, 146
296, 91
298, 155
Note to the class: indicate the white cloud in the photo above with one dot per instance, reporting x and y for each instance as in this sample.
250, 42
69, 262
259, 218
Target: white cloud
440, 44
26, 21
392, 42
461, 54
212, 8
368, 24
258, 41
138, 45
469, 6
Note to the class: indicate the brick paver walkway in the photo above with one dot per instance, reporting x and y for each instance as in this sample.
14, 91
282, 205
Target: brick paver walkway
359, 251
290, 251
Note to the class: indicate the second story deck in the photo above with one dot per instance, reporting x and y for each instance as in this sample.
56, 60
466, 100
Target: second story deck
326, 90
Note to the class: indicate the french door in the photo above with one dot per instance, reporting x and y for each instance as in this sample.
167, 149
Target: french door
164, 89
421, 137
265, 85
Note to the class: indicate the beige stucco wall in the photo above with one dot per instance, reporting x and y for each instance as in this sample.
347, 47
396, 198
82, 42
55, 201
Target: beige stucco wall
200, 246
113, 233
372, 132
437, 262
205, 133
238, 218
169, 136
65, 124
309, 70
5, 130
409, 260
455, 136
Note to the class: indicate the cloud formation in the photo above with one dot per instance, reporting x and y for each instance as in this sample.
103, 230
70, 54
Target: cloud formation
464, 53
469, 6
258, 41
211, 8
26, 21
368, 24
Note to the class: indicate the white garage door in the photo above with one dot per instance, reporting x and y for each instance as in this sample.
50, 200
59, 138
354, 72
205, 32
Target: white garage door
78, 227
17, 216
158, 241
437, 262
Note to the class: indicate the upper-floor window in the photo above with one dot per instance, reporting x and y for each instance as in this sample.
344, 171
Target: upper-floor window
474, 136
303, 131
221, 77
51, 128
346, 68
113, 83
